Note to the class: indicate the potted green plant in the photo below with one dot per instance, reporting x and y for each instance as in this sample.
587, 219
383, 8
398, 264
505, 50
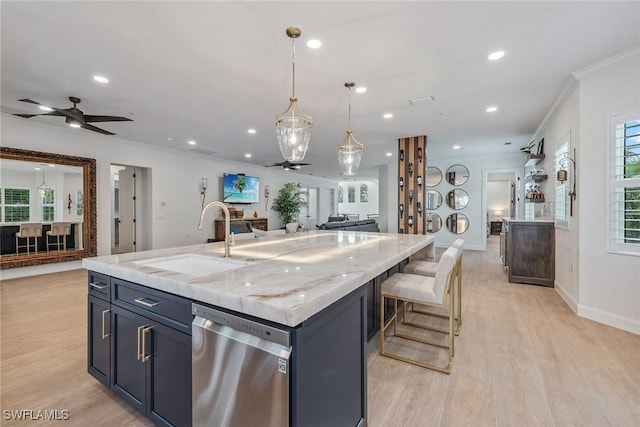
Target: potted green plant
290, 201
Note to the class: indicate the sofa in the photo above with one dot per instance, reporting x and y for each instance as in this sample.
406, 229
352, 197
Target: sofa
360, 225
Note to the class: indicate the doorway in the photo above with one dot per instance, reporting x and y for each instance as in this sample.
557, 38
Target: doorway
502, 195
127, 225
310, 213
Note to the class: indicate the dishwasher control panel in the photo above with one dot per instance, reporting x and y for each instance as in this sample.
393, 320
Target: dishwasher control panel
238, 323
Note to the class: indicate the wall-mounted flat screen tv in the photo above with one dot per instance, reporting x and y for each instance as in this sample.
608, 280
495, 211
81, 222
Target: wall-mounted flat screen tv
238, 188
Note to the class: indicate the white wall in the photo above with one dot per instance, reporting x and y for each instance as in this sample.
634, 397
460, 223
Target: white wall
565, 120
473, 237
362, 209
175, 176
609, 283
498, 198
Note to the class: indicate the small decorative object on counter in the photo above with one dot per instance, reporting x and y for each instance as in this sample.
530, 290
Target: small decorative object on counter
410, 169
401, 182
420, 154
401, 209
410, 220
419, 181
255, 214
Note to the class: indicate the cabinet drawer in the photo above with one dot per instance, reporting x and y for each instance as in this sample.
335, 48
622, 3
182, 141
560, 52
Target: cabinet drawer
99, 285
169, 309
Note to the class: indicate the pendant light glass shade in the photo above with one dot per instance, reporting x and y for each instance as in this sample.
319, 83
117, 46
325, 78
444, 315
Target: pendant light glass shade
293, 126
43, 187
350, 152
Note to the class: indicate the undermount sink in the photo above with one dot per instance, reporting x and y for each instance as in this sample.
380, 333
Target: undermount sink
193, 265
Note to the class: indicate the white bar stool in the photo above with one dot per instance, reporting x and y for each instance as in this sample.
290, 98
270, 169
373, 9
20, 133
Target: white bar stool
431, 291
428, 268
27, 231
59, 229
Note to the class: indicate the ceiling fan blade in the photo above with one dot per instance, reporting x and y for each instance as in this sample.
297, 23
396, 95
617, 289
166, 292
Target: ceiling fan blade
29, 101
299, 164
94, 119
52, 113
96, 129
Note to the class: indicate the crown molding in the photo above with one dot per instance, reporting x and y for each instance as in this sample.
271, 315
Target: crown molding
624, 56
569, 85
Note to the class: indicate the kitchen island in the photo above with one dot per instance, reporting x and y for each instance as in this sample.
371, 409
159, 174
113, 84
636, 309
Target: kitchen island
319, 287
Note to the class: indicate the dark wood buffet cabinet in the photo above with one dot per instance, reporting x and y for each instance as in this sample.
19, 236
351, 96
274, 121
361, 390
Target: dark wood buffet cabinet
259, 223
527, 249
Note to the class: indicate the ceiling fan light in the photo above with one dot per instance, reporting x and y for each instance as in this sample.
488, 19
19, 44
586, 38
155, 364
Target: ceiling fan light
74, 124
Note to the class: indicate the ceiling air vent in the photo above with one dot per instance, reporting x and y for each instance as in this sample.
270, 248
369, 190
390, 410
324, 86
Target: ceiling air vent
203, 151
422, 99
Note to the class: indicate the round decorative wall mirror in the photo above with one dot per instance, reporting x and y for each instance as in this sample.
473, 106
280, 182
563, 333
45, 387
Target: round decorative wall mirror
432, 222
434, 176
434, 199
457, 223
457, 175
457, 199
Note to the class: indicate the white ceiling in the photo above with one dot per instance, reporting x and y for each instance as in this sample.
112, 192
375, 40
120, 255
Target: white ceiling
208, 71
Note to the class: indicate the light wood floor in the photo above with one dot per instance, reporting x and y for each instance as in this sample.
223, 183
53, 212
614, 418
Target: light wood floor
522, 358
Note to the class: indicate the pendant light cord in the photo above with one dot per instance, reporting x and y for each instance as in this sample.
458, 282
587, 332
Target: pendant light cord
293, 65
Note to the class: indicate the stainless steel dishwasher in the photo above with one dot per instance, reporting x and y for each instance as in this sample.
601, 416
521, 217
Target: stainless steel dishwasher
240, 371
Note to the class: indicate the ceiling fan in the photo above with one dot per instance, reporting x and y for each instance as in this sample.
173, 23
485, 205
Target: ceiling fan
75, 117
287, 165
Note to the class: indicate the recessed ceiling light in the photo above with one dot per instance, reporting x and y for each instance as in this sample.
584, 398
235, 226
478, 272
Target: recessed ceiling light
491, 109
101, 79
248, 155
45, 108
51, 165
389, 154
496, 55
361, 89
456, 147
37, 169
387, 115
169, 139
252, 131
314, 44
192, 142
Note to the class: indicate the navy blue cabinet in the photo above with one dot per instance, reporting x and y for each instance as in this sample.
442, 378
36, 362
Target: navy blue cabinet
139, 346
99, 327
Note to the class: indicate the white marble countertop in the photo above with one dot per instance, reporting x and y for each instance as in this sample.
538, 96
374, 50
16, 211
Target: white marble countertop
287, 279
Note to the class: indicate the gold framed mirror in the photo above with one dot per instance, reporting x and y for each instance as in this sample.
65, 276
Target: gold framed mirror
47, 208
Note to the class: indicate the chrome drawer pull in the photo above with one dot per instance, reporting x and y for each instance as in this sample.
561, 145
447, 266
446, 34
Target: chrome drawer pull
145, 303
97, 285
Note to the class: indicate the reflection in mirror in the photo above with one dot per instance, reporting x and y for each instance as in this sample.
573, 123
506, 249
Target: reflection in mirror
457, 223
434, 199
457, 199
457, 175
47, 208
432, 222
434, 176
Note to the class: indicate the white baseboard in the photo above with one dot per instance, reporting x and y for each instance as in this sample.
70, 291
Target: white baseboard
568, 298
615, 320
15, 273
611, 319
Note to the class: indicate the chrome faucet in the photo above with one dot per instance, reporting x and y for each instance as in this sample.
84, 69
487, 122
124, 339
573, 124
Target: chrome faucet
228, 237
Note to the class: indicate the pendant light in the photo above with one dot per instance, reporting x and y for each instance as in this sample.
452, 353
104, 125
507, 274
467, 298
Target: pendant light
43, 187
293, 126
350, 152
